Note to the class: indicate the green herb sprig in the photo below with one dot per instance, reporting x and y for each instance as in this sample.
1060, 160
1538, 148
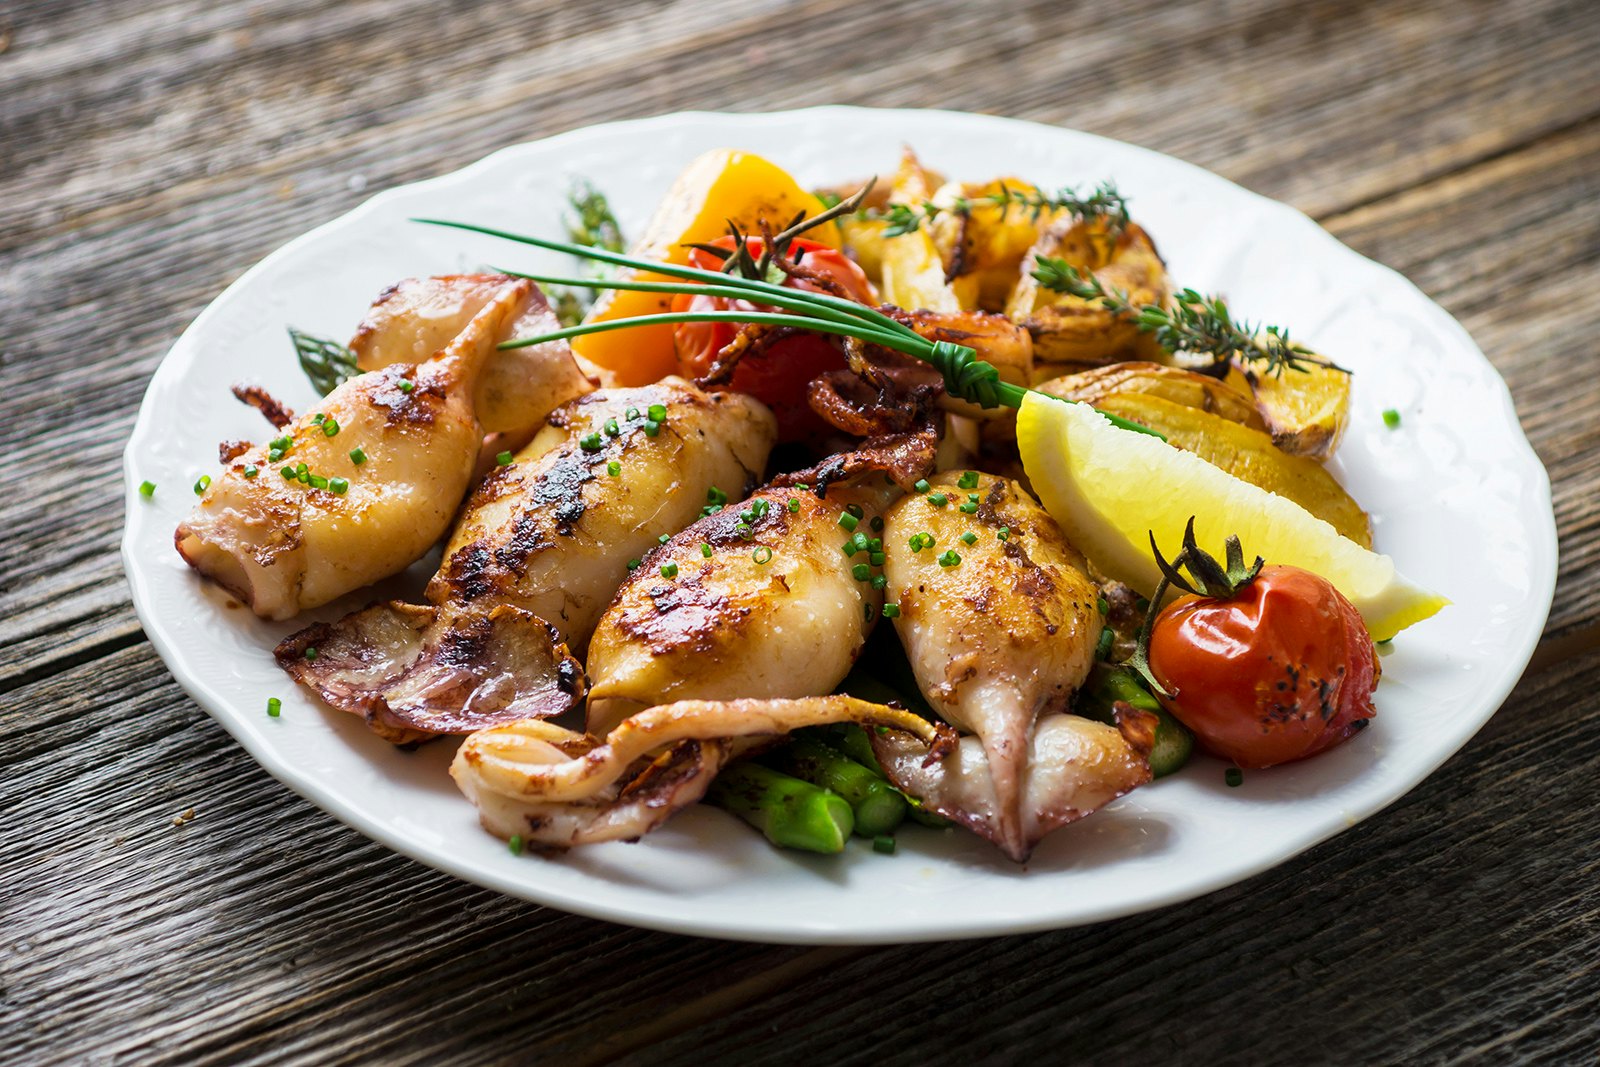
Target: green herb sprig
590, 223
1102, 202
966, 376
1197, 324
327, 363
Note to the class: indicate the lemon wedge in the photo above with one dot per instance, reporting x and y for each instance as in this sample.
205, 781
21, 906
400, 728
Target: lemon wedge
1110, 489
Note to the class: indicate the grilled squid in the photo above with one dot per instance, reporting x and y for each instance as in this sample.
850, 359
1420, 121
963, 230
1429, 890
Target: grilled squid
557, 788
757, 601
540, 547
357, 489
553, 531
1000, 621
517, 388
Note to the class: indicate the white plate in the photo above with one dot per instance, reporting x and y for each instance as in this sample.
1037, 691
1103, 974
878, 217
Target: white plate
1457, 497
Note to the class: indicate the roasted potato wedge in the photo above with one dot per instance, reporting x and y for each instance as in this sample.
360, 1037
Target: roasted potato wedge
1077, 333
863, 241
1305, 411
1173, 384
987, 241
913, 270
1247, 454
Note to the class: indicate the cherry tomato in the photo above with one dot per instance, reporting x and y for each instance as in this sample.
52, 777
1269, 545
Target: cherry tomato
778, 374
1279, 671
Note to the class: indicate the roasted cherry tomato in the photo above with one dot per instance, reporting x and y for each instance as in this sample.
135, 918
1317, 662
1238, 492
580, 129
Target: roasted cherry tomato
1278, 669
778, 374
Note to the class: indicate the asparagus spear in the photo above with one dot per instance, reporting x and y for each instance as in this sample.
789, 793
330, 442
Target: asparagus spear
878, 806
852, 741
791, 813
1174, 742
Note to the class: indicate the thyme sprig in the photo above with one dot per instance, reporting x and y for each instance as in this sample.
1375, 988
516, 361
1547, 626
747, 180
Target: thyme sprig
1102, 202
327, 363
590, 223
1197, 324
966, 376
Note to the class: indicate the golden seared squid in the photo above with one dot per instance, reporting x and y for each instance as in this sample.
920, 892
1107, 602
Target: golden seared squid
757, 601
540, 547
517, 388
359, 488
1000, 621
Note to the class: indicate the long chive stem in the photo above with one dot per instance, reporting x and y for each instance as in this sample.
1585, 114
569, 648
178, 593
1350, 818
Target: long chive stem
673, 270
794, 299
912, 345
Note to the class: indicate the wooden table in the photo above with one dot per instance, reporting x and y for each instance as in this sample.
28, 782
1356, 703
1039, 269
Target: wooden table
151, 152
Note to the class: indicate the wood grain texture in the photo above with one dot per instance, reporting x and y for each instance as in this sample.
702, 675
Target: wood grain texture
150, 152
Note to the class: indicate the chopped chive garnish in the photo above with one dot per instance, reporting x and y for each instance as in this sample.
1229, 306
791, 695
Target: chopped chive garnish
716, 496
1391, 418
747, 515
330, 427
503, 459
311, 653
405, 385
669, 570
657, 412
861, 542
922, 485
251, 470
803, 487
663, 539
968, 538
762, 554
612, 429
515, 844
883, 844
938, 500
875, 545
876, 559
762, 506
1005, 533
289, 473
743, 531
1102, 648
338, 485
1104, 605
652, 427
1234, 777
849, 547
357, 456
891, 611
274, 706
614, 468
848, 521
972, 498
633, 565
876, 524
969, 480
950, 558
147, 489
589, 442
861, 572
317, 481
854, 509
705, 549
794, 505
879, 581
968, 508
202, 485
711, 509
631, 413
318, 419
